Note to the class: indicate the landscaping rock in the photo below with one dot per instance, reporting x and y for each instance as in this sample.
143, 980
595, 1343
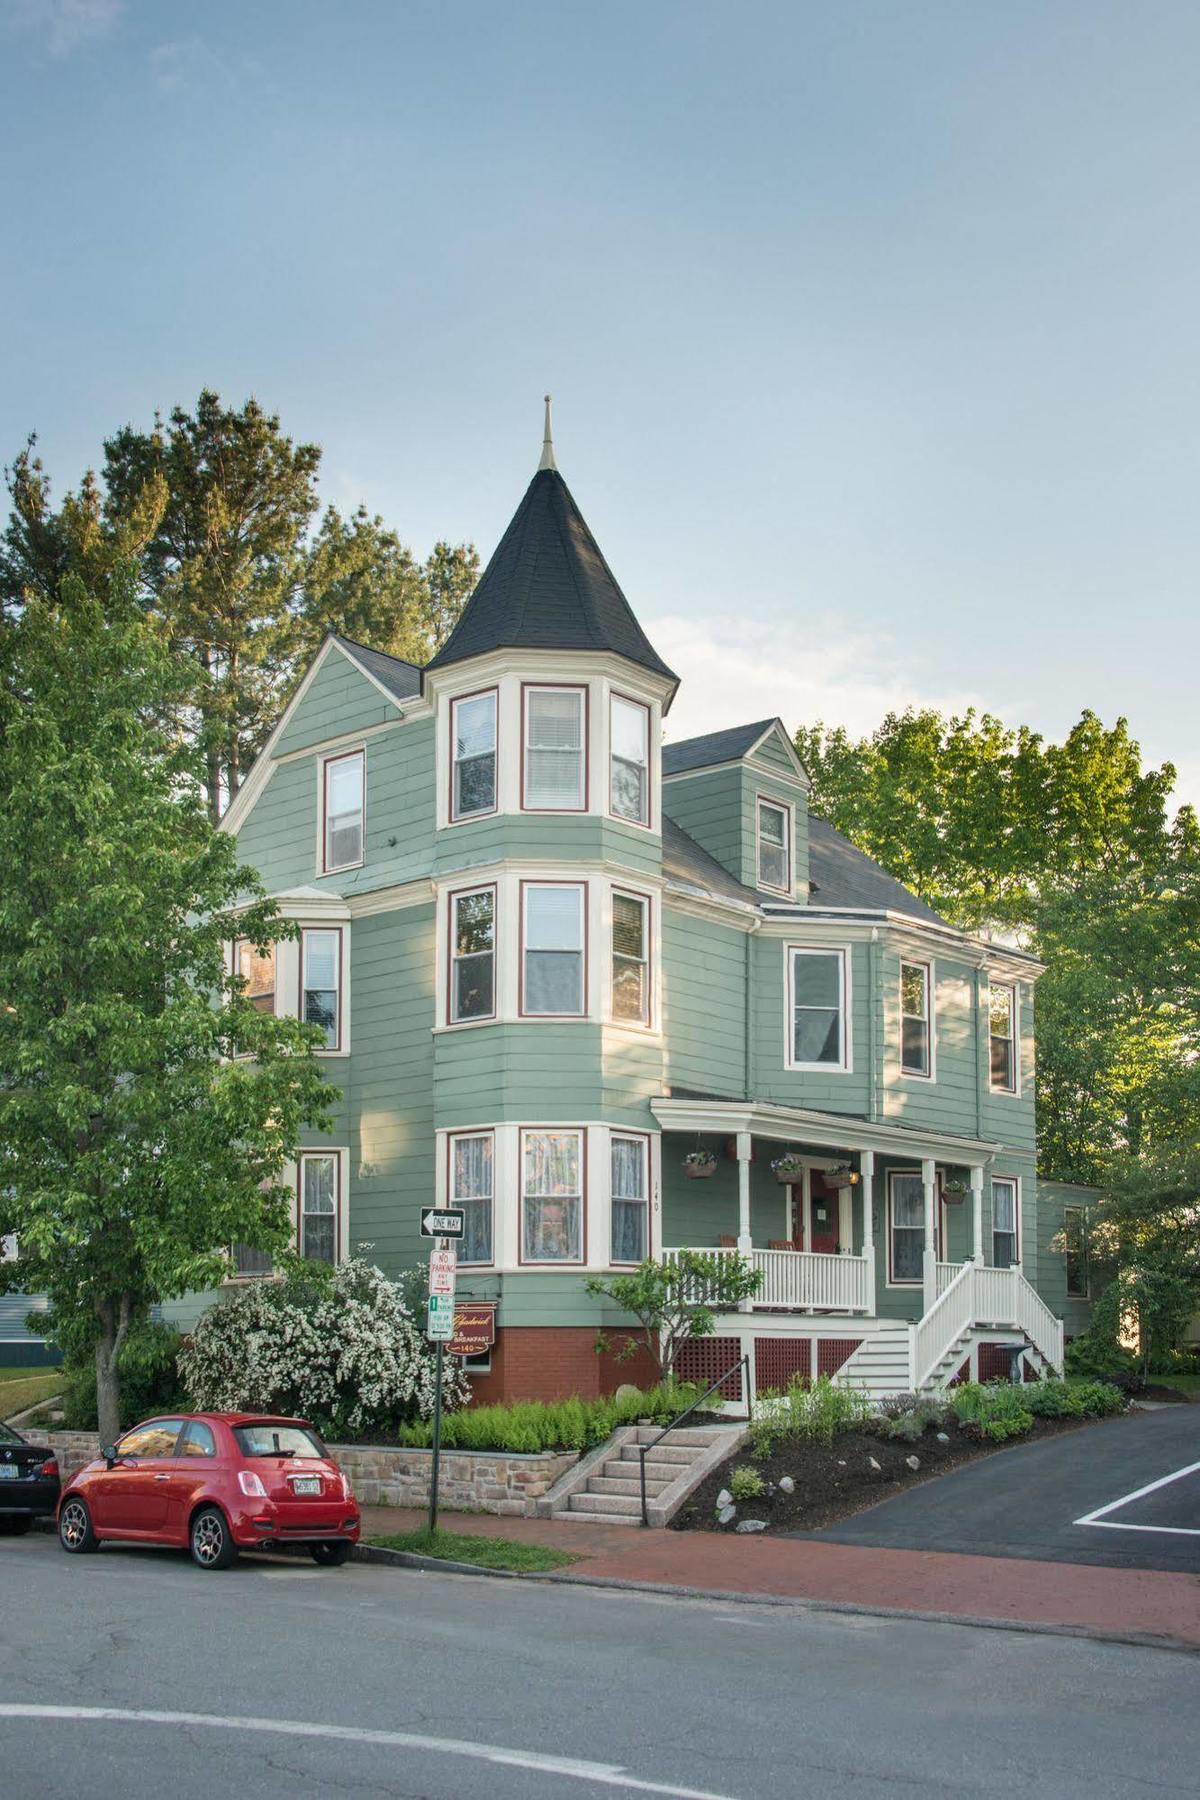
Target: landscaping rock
786, 1485
943, 1437
876, 1466
751, 1525
913, 1462
724, 1498
726, 1515
626, 1392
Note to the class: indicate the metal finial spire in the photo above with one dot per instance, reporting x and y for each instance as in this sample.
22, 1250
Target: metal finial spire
548, 461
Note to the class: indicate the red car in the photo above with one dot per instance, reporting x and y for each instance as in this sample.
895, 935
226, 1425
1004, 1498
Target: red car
215, 1483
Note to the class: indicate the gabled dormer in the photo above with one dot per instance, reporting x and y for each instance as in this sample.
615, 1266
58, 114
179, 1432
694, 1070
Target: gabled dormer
743, 795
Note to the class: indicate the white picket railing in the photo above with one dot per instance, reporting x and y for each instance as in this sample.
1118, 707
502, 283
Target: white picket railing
979, 1296
805, 1280
946, 1271
952, 1313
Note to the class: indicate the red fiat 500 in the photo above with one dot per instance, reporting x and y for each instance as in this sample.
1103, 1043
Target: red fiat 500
216, 1483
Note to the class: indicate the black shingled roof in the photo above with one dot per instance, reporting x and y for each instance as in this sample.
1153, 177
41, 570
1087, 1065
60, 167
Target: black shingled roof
843, 876
403, 679
547, 587
686, 860
715, 747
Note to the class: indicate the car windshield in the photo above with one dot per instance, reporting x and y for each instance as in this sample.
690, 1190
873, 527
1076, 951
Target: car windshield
278, 1440
9, 1436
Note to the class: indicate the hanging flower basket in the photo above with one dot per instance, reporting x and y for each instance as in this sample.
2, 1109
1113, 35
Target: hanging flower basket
954, 1192
698, 1165
842, 1177
788, 1169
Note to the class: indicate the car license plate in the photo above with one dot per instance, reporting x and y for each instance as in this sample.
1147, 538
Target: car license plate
306, 1484
9, 1472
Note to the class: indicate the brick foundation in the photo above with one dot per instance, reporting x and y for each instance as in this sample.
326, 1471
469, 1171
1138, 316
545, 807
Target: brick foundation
552, 1362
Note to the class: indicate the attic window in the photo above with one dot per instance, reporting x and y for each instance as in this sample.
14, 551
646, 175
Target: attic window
342, 796
774, 847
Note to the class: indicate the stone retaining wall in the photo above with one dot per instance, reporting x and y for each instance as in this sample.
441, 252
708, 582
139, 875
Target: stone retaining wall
471, 1480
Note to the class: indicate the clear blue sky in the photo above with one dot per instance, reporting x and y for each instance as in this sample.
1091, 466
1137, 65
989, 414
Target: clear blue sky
872, 328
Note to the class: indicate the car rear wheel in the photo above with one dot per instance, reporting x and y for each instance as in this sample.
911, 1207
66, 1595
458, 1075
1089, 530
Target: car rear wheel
330, 1556
211, 1542
14, 1526
76, 1533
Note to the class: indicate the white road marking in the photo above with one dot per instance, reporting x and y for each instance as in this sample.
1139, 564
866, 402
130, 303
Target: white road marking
602, 1774
1098, 1518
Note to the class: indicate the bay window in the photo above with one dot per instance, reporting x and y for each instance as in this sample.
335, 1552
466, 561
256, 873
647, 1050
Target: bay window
473, 955
257, 969
473, 755
1005, 1231
906, 1228
318, 1232
629, 760
915, 1019
630, 959
321, 983
818, 1034
555, 757
552, 1196
552, 955
630, 1200
1002, 1032
472, 1165
342, 807
774, 847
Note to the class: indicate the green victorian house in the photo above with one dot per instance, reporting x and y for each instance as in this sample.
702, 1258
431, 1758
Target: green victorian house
612, 997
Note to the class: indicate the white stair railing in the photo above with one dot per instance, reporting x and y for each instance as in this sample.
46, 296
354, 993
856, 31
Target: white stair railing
952, 1313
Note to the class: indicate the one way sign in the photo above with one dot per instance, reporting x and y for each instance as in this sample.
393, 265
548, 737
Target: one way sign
441, 1221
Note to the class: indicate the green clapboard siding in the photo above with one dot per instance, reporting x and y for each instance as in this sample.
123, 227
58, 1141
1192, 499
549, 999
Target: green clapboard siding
704, 1005
709, 807
1053, 1197
847, 1091
528, 836
339, 699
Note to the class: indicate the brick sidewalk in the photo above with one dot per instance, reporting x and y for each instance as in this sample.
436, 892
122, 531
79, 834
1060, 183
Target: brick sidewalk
1126, 1602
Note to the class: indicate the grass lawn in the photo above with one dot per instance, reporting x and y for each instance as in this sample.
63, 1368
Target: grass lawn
484, 1552
20, 1388
1187, 1384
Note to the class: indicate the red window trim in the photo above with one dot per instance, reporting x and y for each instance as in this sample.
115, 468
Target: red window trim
789, 815
486, 1131
482, 887
645, 1137
906, 1281
559, 687
646, 1024
302, 1157
326, 764
646, 824
581, 1131
521, 1012
454, 817
326, 1049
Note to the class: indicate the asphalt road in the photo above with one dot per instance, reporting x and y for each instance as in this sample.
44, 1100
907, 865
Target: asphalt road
1026, 1502
281, 1679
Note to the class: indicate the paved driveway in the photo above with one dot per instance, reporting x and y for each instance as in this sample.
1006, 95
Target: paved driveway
1030, 1501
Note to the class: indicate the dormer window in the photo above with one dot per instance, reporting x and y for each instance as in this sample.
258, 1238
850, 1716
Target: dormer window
473, 739
774, 847
629, 761
554, 772
342, 805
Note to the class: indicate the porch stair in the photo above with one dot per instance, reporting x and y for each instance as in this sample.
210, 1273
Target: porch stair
881, 1365
605, 1487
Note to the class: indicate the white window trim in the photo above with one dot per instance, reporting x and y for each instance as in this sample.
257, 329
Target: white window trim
581, 1132
583, 689
843, 953
1014, 1181
928, 965
452, 899
454, 817
614, 697
236, 970
631, 1137
323, 763
1013, 989
452, 1138
908, 1285
342, 1047
339, 1198
649, 961
582, 888
789, 831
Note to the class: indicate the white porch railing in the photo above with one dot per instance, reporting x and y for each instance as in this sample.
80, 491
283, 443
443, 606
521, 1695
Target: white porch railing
946, 1271
805, 1280
978, 1296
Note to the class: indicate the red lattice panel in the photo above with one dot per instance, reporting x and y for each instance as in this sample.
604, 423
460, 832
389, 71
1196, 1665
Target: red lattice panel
833, 1352
995, 1362
964, 1374
777, 1360
703, 1359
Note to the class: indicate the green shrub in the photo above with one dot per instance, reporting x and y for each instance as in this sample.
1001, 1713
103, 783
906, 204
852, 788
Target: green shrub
907, 1417
996, 1411
1097, 1399
150, 1381
529, 1426
747, 1484
1093, 1357
818, 1412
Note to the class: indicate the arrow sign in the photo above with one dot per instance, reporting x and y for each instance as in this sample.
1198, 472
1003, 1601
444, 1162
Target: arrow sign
441, 1221
443, 1266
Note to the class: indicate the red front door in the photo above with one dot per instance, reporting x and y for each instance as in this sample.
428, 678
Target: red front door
822, 1215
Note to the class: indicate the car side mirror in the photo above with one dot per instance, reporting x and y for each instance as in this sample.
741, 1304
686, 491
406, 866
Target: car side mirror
109, 1453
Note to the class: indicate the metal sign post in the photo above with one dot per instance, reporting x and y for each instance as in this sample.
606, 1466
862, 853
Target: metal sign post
443, 1269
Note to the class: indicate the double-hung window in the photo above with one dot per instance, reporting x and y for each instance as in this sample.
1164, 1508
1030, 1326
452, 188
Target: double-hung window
555, 756
552, 972
630, 959
629, 761
473, 755
818, 1036
257, 969
319, 1184
906, 1227
1005, 1230
321, 983
916, 1045
1075, 1247
1002, 1033
249, 1263
473, 955
630, 1202
552, 1196
472, 1164
343, 811
774, 847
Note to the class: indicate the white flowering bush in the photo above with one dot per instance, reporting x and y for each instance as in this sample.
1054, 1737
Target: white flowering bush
338, 1346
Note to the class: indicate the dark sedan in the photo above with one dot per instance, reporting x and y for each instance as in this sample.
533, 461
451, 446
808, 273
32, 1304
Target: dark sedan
29, 1481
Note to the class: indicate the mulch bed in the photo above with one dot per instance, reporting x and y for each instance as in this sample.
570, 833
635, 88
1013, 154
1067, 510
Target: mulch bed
832, 1481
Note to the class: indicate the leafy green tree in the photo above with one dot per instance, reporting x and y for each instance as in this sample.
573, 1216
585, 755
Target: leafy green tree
146, 1107
42, 543
676, 1300
361, 581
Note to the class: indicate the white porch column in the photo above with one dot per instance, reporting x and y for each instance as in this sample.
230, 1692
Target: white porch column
866, 1168
977, 1215
745, 1242
929, 1261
